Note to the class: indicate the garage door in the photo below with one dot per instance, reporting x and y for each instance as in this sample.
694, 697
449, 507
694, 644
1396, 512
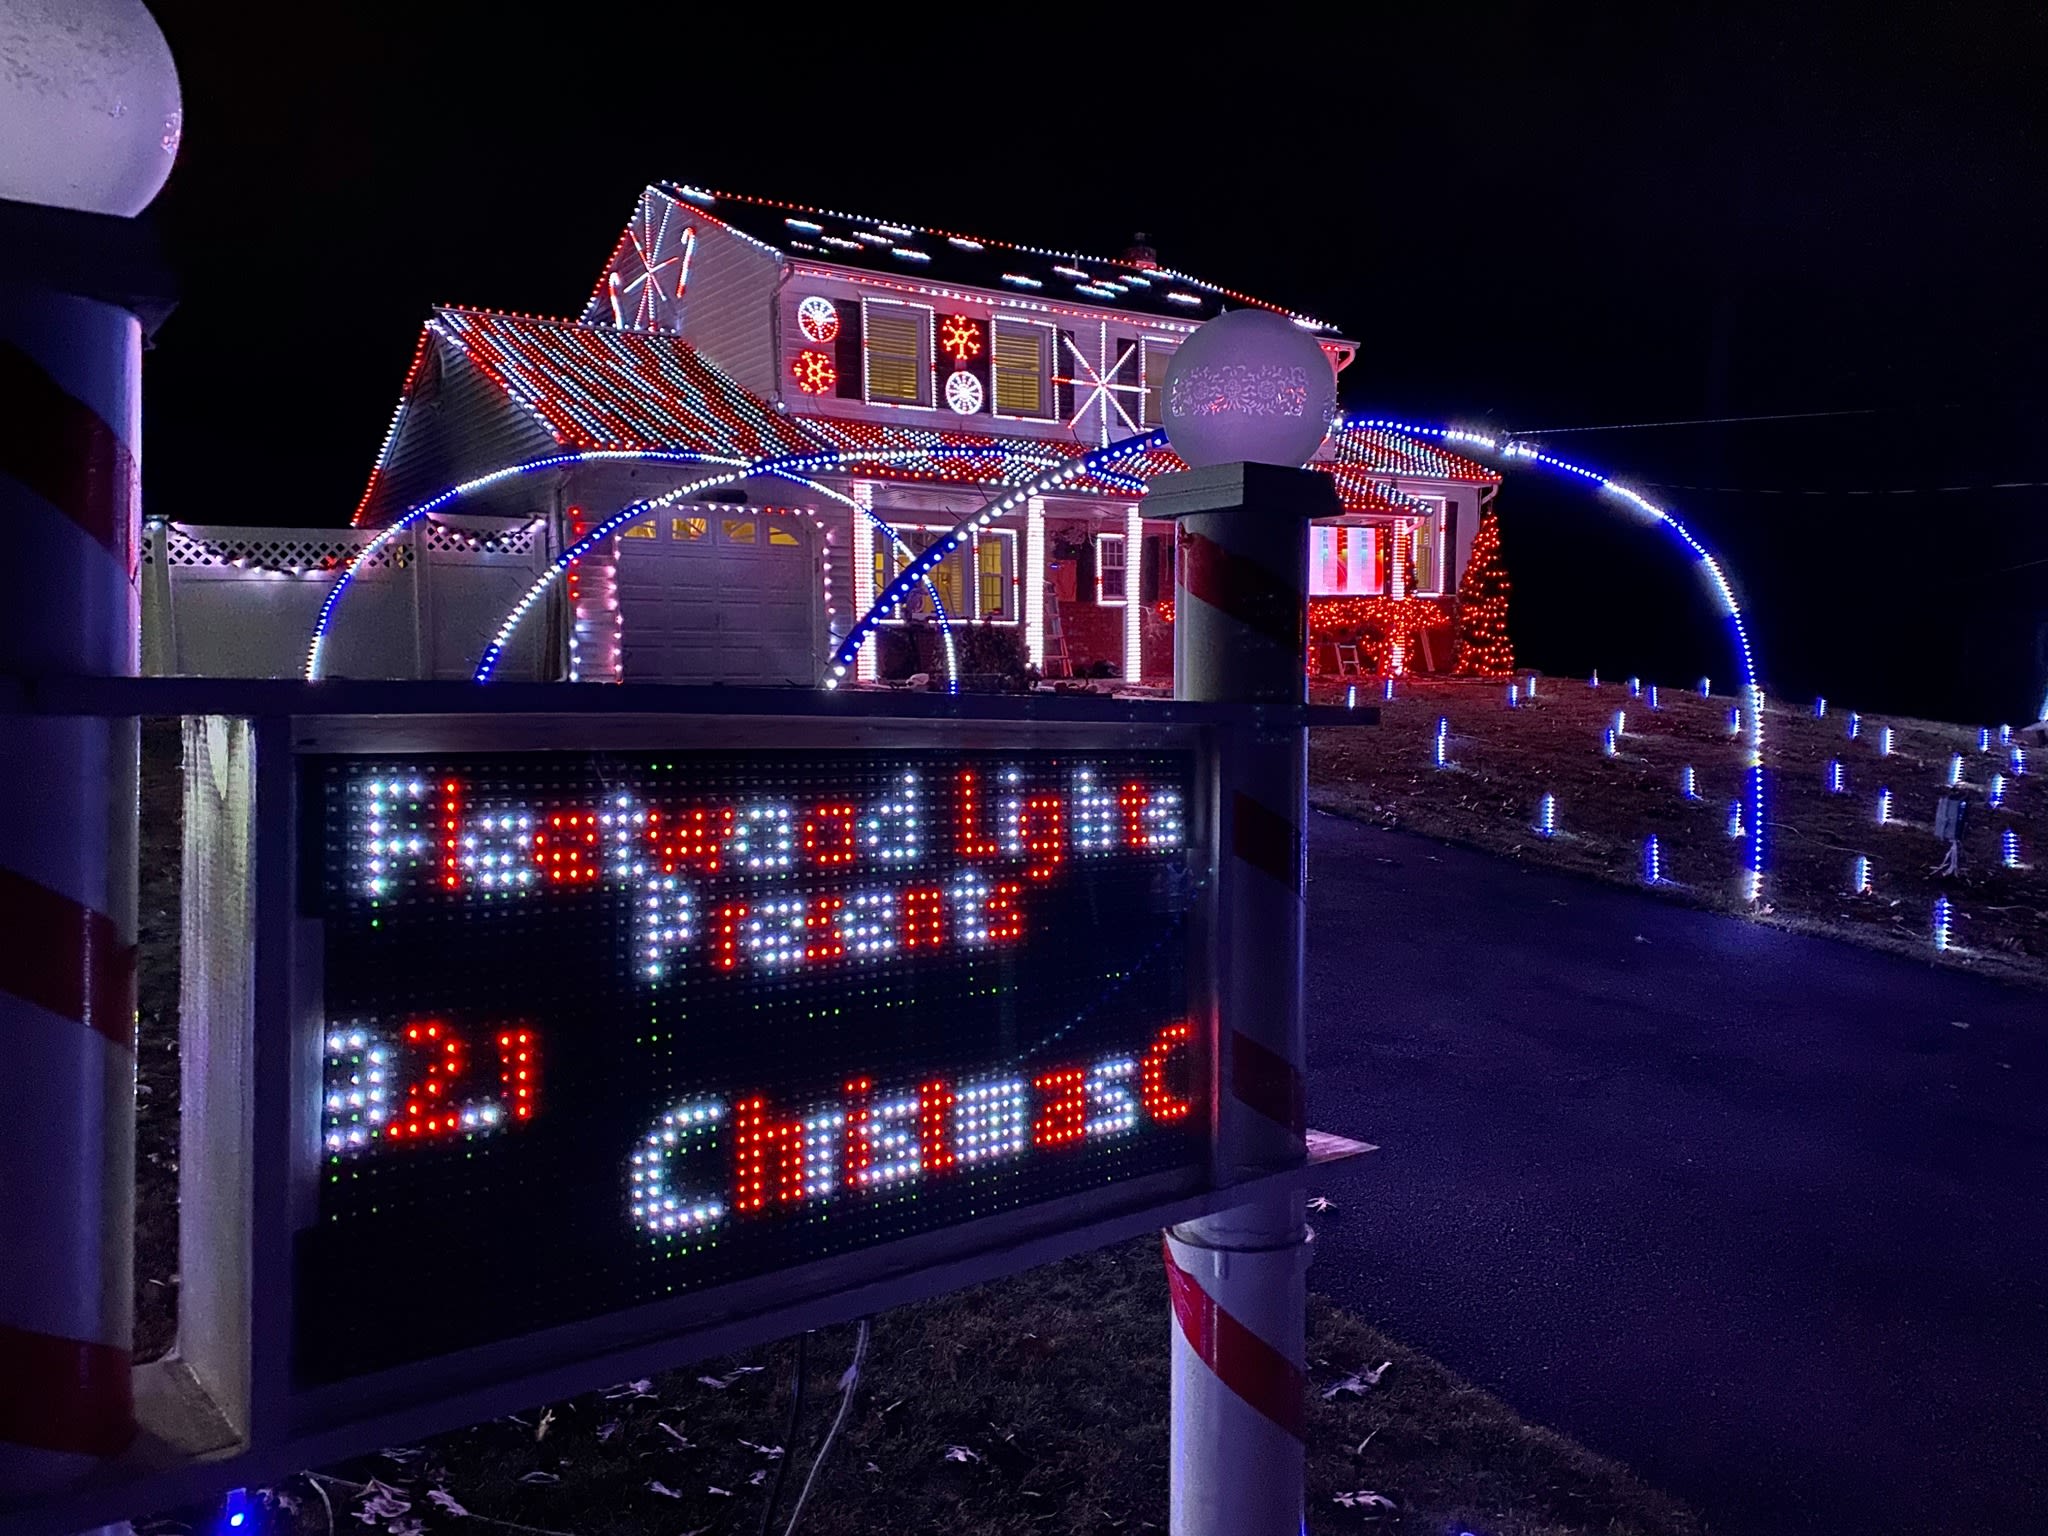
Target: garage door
720, 595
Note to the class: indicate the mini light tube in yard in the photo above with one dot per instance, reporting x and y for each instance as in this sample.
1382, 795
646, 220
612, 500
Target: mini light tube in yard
1653, 861
1529, 687
1546, 816
1735, 720
1735, 818
1607, 742
1594, 680
1652, 696
1884, 807
1983, 738
1514, 696
2004, 734
2019, 762
1706, 687
1943, 916
1621, 722
1635, 687
2009, 848
1387, 691
1996, 794
1859, 875
1955, 769
1884, 742
1440, 741
1837, 780
1855, 724
1351, 696
1820, 709
1688, 783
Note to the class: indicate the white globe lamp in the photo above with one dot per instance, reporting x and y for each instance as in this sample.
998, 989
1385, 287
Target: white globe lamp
1249, 386
89, 109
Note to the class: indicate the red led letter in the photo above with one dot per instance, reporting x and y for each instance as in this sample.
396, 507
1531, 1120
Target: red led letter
1064, 1115
567, 847
972, 844
429, 1105
451, 846
1042, 828
519, 1071
828, 834
753, 1140
693, 839
1005, 917
725, 935
935, 1125
1132, 802
1160, 1103
822, 917
930, 933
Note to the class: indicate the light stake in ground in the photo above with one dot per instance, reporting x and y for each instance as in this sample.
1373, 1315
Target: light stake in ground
1820, 709
2019, 762
1942, 919
1855, 724
1884, 742
1996, 794
1884, 807
1514, 696
1735, 721
1351, 696
1607, 742
1635, 687
1735, 818
2009, 848
1955, 769
1983, 738
1688, 783
1859, 875
1546, 816
1621, 722
1387, 690
1837, 780
1706, 687
1440, 741
1653, 862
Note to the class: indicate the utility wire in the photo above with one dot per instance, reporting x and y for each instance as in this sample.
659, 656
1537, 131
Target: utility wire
847, 1384
1902, 490
796, 1408
1694, 421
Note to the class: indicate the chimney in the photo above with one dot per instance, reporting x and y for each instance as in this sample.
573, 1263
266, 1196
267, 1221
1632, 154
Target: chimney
1140, 255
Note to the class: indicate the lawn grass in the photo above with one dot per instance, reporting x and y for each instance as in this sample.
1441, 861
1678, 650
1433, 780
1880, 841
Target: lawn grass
1038, 1404
1501, 761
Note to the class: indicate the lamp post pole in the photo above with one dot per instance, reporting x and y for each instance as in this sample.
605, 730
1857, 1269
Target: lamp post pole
1237, 1278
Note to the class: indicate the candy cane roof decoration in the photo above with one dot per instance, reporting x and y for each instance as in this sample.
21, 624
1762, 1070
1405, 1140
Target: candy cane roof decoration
1717, 581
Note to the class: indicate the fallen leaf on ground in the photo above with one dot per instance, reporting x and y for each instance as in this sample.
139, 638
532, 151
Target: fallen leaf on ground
539, 1477
445, 1501
655, 1485
1364, 1498
961, 1453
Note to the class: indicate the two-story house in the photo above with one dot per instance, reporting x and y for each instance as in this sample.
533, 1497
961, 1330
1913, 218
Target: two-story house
740, 328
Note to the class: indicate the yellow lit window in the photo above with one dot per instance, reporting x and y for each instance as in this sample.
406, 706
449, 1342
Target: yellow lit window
898, 353
737, 530
994, 556
781, 535
640, 530
1022, 367
687, 530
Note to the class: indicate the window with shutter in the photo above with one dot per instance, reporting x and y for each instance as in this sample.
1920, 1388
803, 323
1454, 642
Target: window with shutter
1109, 568
995, 557
899, 363
1157, 356
1022, 368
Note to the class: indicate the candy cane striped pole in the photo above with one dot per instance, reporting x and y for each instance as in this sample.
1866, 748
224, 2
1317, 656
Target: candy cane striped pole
70, 373
1237, 1278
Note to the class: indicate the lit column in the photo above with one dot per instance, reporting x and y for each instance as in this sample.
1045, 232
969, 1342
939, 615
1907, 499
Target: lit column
1134, 591
1034, 582
864, 572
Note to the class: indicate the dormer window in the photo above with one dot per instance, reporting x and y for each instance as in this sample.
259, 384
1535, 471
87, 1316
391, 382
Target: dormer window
897, 342
1157, 355
1021, 365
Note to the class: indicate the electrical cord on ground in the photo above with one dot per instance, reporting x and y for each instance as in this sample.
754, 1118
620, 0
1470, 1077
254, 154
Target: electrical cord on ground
847, 1385
796, 1408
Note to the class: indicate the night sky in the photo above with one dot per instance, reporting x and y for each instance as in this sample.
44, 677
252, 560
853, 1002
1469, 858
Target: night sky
1527, 223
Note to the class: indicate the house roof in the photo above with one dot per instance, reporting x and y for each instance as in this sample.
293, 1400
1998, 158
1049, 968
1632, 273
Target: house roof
591, 386
601, 387
975, 261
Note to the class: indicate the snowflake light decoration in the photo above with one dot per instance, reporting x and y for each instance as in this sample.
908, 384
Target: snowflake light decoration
960, 338
1096, 388
818, 318
963, 393
815, 372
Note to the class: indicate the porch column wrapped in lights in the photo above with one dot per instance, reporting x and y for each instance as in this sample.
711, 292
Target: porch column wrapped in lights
864, 661
89, 131
1134, 610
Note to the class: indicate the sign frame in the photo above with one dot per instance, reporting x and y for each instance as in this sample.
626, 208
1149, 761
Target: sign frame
224, 1410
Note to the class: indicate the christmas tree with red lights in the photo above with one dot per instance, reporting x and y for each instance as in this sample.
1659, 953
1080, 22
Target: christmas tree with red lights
1484, 649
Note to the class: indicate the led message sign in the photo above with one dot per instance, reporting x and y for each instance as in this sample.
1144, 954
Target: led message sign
606, 1029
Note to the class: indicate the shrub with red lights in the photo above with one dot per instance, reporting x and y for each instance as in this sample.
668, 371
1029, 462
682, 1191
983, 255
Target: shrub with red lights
1373, 624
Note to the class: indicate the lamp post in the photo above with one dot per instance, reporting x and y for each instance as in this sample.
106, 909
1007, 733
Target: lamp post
89, 122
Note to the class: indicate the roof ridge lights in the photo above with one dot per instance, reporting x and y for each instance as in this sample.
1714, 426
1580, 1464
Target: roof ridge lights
961, 242
1183, 298
1074, 272
907, 254
869, 237
695, 194
806, 226
1022, 281
843, 243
